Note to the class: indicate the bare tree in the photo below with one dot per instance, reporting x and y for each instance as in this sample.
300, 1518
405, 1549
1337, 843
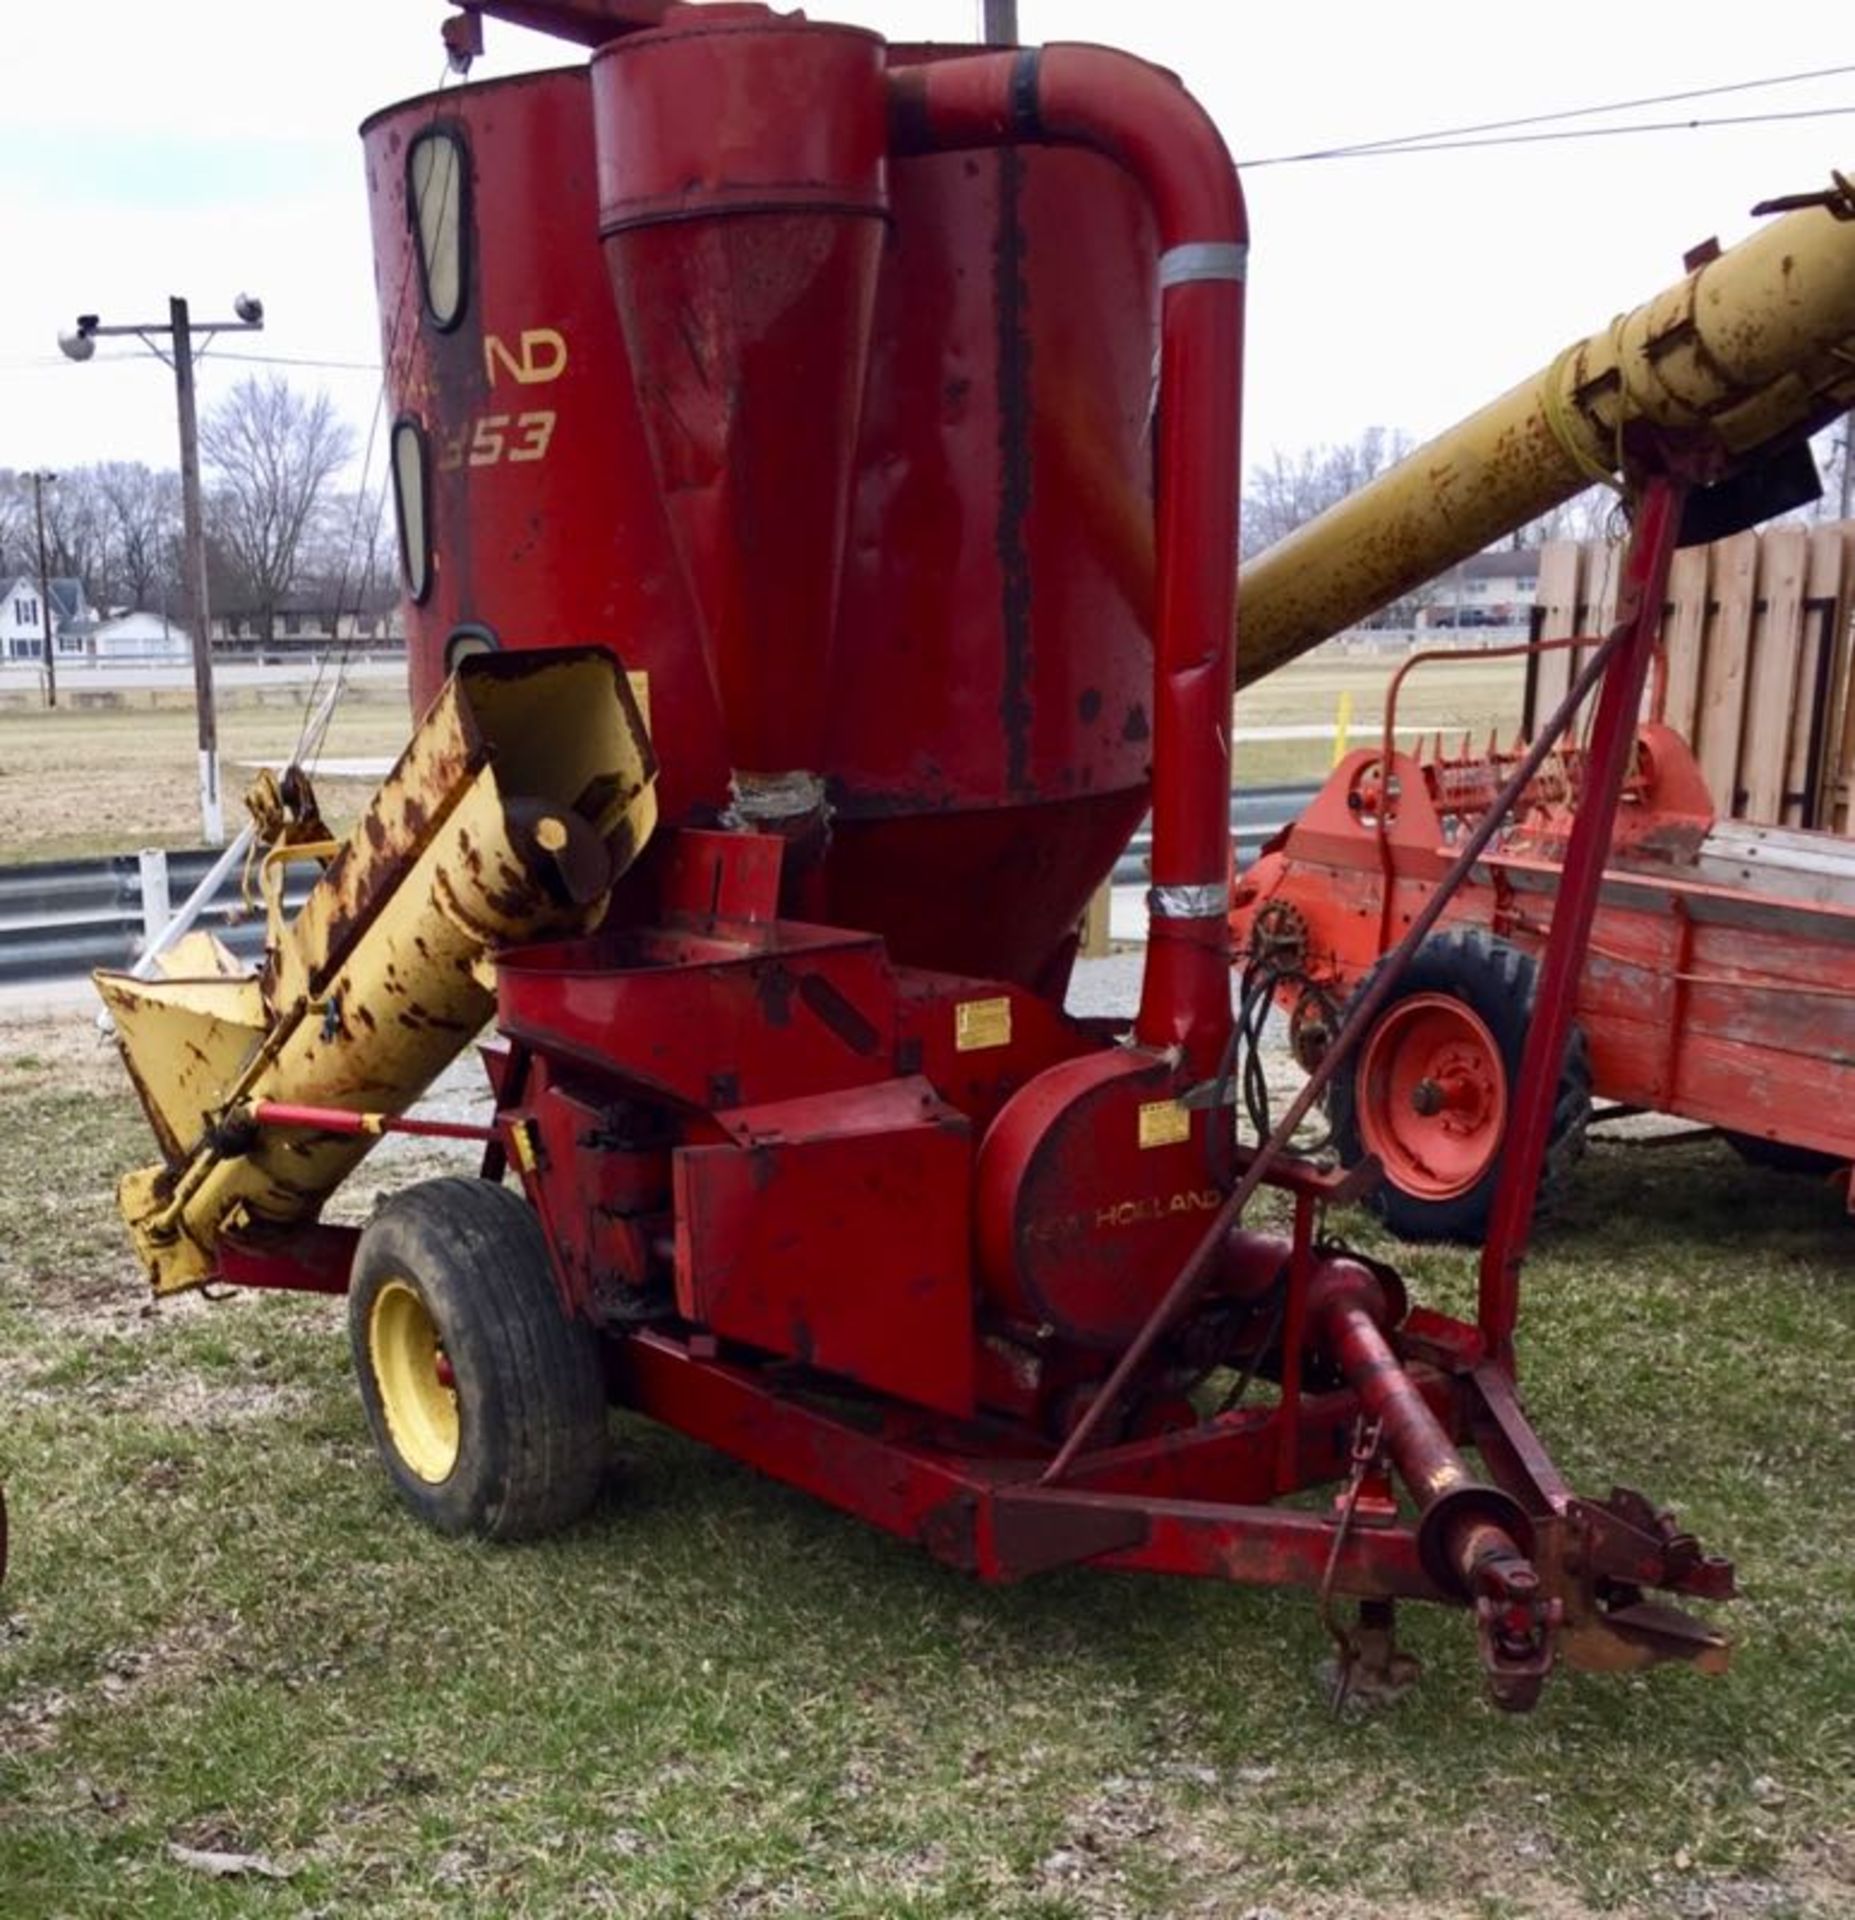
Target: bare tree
1288, 490
1590, 515
273, 455
76, 527
348, 554
141, 511
1833, 449
15, 514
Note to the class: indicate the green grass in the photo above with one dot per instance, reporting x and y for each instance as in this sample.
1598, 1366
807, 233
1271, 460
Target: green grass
78, 782
717, 1698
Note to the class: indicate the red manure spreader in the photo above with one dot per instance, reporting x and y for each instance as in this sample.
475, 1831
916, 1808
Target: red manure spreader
1718, 983
810, 588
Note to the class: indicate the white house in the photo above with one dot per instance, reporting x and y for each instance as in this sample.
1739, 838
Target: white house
22, 620
149, 637
1486, 590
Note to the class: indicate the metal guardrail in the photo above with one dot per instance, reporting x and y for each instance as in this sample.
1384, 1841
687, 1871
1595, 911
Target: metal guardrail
61, 918
1257, 814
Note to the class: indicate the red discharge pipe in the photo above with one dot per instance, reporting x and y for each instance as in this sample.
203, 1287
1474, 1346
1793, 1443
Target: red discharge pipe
589, 23
1142, 118
1474, 1540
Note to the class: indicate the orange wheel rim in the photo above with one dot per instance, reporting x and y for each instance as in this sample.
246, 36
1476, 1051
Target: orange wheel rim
1431, 1096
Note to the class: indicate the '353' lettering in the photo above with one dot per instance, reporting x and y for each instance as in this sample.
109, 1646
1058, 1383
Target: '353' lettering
493, 438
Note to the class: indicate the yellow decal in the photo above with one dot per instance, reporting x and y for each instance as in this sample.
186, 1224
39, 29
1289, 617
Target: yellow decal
978, 1024
1163, 1123
543, 357
640, 684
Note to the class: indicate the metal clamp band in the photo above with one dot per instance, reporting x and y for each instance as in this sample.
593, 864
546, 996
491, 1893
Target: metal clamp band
1208, 902
1026, 116
1203, 260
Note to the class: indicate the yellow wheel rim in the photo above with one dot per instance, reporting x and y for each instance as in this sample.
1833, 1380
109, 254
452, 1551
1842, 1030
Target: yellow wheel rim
414, 1378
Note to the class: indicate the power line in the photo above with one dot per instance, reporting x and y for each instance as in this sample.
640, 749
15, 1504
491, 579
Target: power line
1436, 134
288, 360
325, 362
1416, 144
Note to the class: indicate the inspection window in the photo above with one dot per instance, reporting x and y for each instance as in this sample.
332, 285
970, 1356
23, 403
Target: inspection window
437, 176
411, 466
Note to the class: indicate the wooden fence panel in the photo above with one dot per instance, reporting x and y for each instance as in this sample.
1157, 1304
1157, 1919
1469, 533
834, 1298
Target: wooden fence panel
1684, 636
1820, 685
1561, 565
1758, 634
1772, 675
1721, 723
1839, 723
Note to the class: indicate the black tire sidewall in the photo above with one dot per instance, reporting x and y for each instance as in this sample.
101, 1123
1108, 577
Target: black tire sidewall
531, 1402
467, 1498
1497, 982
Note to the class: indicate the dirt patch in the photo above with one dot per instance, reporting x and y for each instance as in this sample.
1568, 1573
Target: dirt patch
112, 1305
41, 1051
1174, 1819
177, 1656
181, 1400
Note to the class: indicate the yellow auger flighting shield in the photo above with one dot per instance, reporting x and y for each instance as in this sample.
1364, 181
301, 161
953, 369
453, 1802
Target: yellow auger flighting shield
524, 794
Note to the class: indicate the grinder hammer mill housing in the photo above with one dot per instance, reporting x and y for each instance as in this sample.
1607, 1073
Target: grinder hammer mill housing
810, 590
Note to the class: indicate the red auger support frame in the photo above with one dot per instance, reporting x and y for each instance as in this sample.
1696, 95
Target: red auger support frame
813, 376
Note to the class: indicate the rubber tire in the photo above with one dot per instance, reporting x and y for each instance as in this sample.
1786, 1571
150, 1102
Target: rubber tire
529, 1381
1499, 983
1779, 1156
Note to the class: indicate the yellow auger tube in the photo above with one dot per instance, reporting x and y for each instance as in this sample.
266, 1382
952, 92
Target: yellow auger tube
1751, 347
524, 794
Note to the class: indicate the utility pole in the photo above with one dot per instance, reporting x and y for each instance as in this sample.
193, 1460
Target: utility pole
184, 342
45, 589
195, 598
998, 22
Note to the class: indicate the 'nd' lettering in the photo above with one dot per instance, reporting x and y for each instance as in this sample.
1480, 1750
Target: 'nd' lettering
541, 356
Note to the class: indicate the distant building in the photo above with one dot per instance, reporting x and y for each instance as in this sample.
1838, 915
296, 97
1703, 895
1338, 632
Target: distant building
149, 637
1487, 590
22, 620
308, 622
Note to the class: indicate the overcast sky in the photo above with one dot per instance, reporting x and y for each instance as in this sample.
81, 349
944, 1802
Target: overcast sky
206, 146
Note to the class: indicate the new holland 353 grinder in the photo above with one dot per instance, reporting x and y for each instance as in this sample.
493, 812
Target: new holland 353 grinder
816, 467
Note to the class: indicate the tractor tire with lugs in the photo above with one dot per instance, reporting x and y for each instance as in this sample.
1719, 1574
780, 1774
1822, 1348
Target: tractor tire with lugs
1429, 1089
486, 1401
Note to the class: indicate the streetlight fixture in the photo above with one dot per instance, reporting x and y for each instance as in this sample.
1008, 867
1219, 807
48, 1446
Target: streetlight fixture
40, 481
184, 343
